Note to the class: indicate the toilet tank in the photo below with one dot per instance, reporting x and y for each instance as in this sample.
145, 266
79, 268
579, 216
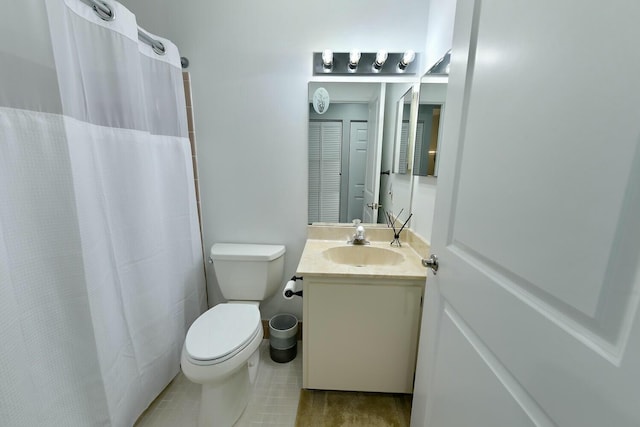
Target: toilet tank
251, 272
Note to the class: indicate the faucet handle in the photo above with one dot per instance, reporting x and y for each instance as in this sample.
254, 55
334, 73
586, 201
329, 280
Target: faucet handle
356, 222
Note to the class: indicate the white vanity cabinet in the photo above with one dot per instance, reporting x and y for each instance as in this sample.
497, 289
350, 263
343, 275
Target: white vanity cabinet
361, 334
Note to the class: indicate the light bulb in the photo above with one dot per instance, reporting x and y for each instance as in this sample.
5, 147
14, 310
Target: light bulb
327, 58
381, 57
407, 59
354, 58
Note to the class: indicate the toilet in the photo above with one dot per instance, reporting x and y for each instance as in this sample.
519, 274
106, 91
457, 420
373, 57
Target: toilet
221, 349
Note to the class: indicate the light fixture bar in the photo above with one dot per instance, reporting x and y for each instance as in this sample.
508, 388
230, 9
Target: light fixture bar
358, 63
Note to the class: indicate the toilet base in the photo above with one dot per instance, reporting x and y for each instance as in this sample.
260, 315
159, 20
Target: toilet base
223, 402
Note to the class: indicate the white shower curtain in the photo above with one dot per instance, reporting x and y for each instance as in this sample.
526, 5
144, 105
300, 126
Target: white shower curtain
101, 268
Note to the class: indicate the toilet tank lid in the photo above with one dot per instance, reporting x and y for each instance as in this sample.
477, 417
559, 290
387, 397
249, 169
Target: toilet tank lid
246, 252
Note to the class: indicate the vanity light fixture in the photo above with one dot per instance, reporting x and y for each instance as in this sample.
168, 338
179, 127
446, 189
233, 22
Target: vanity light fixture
354, 58
407, 58
381, 58
349, 63
327, 59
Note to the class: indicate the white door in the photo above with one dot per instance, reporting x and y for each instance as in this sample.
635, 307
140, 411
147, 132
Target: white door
358, 141
374, 153
532, 317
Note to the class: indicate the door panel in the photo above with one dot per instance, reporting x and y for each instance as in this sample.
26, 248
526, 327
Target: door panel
374, 153
536, 221
367, 342
463, 356
358, 142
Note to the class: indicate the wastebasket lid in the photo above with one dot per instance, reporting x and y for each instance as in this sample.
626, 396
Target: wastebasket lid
222, 332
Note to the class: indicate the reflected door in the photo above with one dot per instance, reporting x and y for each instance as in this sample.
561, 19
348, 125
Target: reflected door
374, 152
532, 318
358, 142
325, 144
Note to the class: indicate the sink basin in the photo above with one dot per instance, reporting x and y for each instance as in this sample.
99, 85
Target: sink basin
362, 256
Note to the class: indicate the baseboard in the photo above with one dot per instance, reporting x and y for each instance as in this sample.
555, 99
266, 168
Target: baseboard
265, 329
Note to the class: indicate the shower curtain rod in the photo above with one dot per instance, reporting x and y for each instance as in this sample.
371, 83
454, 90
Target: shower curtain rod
106, 13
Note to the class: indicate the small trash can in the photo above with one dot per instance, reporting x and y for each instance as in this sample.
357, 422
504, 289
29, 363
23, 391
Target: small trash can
283, 338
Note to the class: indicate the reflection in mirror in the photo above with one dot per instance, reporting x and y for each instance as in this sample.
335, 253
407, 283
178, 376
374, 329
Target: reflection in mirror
402, 149
442, 66
347, 144
338, 141
430, 114
396, 189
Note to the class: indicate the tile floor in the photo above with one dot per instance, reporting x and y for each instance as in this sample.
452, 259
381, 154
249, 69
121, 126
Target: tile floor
274, 401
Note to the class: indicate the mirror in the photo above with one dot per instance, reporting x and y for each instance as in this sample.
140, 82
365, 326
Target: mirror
348, 144
433, 93
430, 115
402, 148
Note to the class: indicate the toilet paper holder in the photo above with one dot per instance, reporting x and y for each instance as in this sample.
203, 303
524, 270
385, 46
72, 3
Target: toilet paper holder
289, 293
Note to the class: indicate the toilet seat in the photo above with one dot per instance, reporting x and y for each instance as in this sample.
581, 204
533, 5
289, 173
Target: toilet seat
221, 333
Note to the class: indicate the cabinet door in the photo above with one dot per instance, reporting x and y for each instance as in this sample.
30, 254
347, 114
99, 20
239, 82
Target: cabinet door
361, 337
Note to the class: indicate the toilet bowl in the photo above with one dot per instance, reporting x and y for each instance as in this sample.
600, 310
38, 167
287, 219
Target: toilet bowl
221, 352
221, 349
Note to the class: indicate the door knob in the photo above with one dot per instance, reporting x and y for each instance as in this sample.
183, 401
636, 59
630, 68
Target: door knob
431, 262
373, 206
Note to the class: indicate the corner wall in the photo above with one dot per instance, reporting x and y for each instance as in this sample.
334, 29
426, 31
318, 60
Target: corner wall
250, 64
424, 187
439, 37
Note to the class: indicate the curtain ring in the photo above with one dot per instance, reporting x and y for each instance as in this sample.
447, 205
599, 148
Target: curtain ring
103, 10
158, 47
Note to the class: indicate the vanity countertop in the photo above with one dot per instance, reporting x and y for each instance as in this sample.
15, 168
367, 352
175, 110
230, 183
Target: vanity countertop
323, 237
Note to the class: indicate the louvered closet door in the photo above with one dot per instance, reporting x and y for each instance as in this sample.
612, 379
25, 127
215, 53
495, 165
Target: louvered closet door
418, 153
325, 144
403, 166
404, 145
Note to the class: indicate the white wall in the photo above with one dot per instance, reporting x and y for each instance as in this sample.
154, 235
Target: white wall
424, 187
439, 31
423, 203
346, 92
250, 64
439, 37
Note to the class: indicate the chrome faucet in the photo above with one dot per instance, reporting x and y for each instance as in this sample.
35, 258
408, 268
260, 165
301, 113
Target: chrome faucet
359, 237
